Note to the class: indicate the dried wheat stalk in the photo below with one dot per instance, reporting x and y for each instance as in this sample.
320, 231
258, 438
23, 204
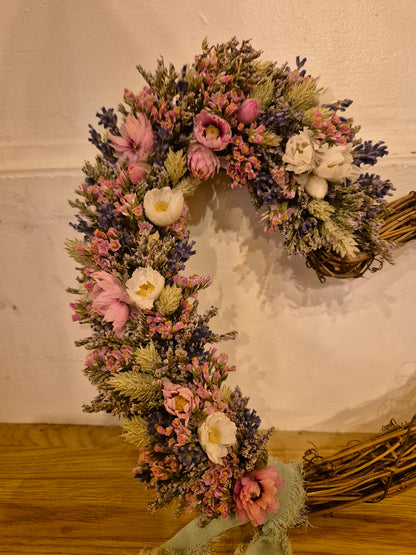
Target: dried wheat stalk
399, 226
363, 472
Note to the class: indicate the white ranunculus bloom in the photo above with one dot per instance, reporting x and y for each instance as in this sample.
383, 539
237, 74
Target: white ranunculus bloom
334, 163
216, 434
299, 153
145, 286
316, 187
163, 206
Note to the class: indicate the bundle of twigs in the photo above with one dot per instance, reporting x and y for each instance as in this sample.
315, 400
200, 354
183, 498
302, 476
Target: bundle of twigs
399, 226
363, 472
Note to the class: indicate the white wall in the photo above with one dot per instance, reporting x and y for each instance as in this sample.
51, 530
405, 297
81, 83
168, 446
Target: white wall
309, 355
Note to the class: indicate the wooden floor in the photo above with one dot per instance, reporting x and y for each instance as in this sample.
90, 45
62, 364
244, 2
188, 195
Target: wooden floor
69, 490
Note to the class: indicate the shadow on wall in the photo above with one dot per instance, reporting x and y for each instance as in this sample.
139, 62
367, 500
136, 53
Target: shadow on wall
398, 404
283, 280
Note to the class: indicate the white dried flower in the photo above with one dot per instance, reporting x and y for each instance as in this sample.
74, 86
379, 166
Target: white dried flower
145, 286
216, 434
299, 153
163, 206
334, 163
316, 187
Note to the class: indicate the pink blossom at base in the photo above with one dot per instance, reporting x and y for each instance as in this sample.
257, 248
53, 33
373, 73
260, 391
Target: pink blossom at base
178, 400
109, 300
138, 171
202, 162
136, 141
212, 131
249, 111
255, 495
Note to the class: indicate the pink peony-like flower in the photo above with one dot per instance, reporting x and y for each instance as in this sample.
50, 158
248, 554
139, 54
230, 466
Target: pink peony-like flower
136, 141
255, 495
138, 171
202, 162
212, 131
178, 400
249, 111
110, 300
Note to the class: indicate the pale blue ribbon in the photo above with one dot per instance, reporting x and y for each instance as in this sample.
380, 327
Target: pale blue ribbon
273, 539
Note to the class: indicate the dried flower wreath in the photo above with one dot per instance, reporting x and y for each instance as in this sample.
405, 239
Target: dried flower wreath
152, 358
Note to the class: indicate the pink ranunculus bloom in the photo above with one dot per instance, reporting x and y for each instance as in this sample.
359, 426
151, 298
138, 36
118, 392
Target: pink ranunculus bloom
138, 171
110, 300
212, 131
178, 400
249, 111
202, 162
136, 141
255, 495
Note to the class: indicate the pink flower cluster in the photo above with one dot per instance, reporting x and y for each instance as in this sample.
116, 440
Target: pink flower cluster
160, 470
113, 360
145, 101
158, 325
157, 109
242, 163
228, 104
275, 216
206, 71
103, 245
106, 190
213, 133
288, 185
336, 129
129, 205
193, 282
212, 490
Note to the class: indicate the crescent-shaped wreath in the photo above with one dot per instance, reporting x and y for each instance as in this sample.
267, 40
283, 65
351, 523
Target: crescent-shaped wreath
273, 132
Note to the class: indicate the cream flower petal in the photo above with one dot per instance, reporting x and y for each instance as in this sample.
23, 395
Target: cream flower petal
145, 286
163, 206
216, 434
316, 187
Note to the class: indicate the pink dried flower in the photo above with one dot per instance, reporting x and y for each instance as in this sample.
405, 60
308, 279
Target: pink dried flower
136, 141
138, 171
202, 162
178, 400
255, 495
109, 300
212, 131
249, 111
129, 203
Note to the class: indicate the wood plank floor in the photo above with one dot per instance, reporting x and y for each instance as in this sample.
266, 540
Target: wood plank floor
68, 490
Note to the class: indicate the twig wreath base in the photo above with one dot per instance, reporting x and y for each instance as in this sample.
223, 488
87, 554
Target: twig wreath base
152, 357
367, 472
398, 226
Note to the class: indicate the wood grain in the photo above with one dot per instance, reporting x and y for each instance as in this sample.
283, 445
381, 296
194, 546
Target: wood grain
69, 490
